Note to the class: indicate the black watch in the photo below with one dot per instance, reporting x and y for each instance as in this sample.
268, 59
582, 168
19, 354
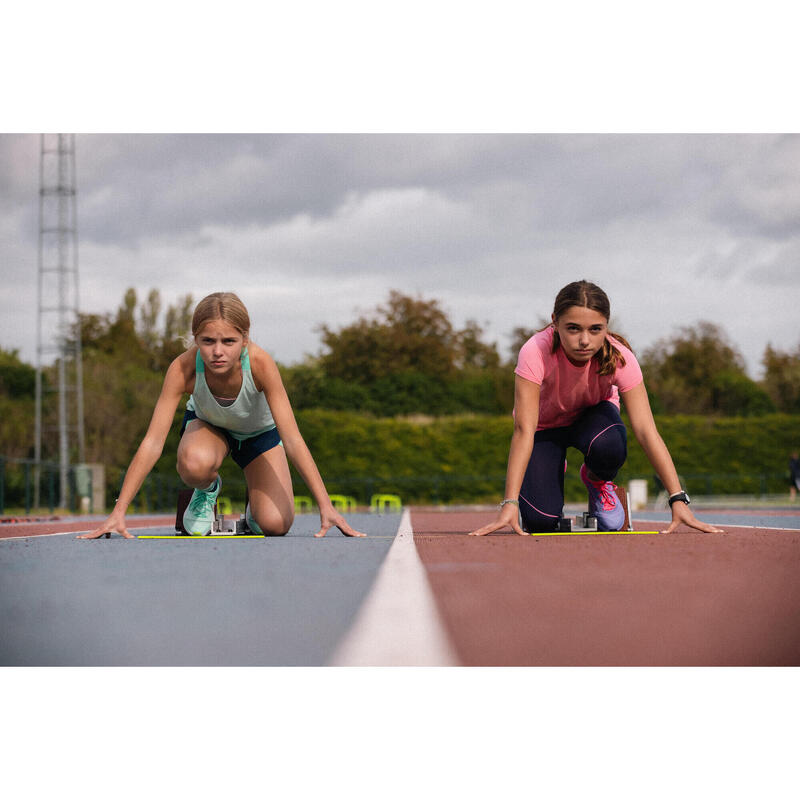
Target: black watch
682, 496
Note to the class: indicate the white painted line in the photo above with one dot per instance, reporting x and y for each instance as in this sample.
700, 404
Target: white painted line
77, 533
398, 625
722, 525
39, 535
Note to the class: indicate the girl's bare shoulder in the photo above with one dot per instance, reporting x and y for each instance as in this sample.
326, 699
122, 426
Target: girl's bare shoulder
183, 368
259, 356
263, 366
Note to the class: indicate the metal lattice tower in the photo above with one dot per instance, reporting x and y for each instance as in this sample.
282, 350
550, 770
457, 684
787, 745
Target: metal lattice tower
58, 333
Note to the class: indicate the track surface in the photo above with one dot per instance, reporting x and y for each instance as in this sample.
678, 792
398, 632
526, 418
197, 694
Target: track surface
283, 601
683, 599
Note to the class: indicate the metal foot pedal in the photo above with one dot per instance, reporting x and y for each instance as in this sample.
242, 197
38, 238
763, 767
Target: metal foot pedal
584, 522
229, 527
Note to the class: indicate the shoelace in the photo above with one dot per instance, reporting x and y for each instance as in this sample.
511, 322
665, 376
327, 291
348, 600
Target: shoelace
605, 489
202, 502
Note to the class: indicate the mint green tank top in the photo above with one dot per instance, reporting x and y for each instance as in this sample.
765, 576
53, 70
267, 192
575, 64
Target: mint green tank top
249, 415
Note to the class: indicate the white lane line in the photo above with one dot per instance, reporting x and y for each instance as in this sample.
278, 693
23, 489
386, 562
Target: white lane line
723, 525
77, 532
398, 625
39, 535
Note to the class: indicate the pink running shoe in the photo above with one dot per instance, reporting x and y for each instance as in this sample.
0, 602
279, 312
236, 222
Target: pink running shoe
603, 503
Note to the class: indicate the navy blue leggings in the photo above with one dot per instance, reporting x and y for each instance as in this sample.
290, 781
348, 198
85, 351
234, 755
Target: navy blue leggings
599, 433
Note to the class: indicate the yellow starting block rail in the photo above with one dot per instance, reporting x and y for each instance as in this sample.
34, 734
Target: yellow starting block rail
590, 533
210, 536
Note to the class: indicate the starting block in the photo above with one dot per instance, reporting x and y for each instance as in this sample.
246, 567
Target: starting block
220, 526
622, 496
585, 522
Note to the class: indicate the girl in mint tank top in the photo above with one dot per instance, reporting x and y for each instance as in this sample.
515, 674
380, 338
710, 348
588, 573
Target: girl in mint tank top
237, 406
570, 379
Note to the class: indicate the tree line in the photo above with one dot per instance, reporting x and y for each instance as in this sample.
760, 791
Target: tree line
406, 357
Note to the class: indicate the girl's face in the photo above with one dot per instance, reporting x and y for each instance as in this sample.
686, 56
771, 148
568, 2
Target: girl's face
582, 332
220, 346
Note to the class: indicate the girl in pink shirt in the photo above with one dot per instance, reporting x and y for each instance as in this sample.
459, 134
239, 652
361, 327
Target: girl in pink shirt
570, 378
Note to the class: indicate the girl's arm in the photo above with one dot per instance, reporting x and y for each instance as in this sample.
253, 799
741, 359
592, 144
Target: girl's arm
526, 418
644, 428
173, 388
268, 377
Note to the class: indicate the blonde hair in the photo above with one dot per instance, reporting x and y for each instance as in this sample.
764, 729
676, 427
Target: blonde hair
221, 305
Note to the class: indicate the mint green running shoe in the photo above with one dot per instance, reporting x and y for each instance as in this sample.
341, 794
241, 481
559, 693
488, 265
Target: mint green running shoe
199, 515
251, 523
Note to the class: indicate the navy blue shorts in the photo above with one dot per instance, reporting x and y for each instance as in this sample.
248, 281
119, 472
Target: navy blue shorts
242, 451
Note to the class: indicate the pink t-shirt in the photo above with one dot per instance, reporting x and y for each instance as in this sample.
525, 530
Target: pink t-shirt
566, 389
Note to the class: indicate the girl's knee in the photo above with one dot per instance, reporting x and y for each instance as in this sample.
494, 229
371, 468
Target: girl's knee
194, 467
608, 452
272, 522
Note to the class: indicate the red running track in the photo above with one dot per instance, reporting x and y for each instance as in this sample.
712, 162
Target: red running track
683, 599
16, 529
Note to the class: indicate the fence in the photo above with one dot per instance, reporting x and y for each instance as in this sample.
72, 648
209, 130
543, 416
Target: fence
18, 478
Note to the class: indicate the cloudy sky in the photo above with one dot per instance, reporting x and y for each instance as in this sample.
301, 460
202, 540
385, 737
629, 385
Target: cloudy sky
315, 229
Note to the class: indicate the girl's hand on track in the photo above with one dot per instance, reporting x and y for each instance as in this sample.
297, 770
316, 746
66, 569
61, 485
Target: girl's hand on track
509, 518
681, 515
116, 522
332, 519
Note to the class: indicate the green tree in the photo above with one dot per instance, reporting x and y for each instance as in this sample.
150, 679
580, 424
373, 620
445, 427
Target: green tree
144, 342
17, 379
148, 316
782, 378
177, 326
472, 353
17, 391
519, 336
125, 355
406, 335
698, 371
405, 357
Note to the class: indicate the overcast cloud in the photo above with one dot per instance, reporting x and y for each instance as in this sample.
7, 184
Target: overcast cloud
314, 229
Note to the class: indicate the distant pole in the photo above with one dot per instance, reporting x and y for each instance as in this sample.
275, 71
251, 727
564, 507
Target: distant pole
58, 330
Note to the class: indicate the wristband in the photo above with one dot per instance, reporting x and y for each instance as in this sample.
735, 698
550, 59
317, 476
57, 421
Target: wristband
509, 500
681, 497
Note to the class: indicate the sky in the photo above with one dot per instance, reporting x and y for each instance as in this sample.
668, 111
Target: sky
316, 229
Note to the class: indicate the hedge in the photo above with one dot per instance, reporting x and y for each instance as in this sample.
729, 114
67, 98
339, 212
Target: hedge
462, 459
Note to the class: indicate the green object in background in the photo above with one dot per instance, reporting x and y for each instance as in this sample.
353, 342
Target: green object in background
83, 480
385, 502
224, 505
343, 502
302, 503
